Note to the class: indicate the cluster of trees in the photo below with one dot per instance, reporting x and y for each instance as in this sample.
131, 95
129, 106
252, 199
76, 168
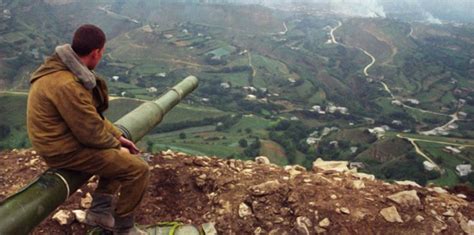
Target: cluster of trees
253, 149
229, 121
333, 151
291, 135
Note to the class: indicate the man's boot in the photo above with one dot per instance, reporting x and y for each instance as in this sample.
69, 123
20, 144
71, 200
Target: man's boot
126, 226
100, 212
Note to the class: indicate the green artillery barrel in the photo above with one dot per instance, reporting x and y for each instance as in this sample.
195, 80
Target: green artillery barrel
24, 210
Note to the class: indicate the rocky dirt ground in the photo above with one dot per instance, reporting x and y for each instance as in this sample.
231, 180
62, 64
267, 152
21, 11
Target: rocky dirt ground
257, 197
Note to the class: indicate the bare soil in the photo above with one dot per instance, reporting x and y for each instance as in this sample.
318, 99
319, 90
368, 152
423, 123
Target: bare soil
289, 200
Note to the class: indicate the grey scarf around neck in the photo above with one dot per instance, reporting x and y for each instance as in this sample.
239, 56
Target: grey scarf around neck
72, 61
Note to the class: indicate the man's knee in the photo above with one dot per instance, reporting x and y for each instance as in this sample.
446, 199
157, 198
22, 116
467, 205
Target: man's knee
141, 168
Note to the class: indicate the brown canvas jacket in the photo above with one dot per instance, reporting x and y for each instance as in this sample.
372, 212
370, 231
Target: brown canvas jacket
63, 116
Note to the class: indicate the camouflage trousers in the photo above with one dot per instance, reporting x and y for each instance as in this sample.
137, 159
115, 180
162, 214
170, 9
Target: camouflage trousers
118, 170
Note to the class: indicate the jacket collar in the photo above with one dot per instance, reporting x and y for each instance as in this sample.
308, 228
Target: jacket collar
74, 64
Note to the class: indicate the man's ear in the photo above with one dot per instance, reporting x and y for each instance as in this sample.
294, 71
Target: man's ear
96, 53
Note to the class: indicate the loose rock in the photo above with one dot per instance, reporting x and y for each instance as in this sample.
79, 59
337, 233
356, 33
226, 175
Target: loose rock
86, 201
262, 160
419, 218
244, 210
209, 229
408, 182
363, 176
390, 214
302, 224
358, 184
406, 198
339, 166
324, 223
449, 213
319, 230
80, 215
345, 210
265, 188
468, 227
63, 217
439, 190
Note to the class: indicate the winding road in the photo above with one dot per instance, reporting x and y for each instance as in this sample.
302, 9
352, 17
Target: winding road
419, 152
333, 39
286, 29
454, 116
366, 73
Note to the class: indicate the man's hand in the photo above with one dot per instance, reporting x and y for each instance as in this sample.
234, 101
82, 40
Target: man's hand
129, 145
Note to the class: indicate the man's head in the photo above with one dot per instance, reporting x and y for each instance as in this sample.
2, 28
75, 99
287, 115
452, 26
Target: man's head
89, 44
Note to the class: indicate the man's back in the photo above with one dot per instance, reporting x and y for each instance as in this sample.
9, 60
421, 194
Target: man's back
62, 115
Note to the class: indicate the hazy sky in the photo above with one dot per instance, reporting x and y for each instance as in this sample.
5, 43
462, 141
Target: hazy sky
433, 11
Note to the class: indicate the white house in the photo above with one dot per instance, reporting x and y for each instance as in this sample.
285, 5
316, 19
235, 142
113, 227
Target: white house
311, 140
334, 143
294, 118
397, 102
251, 97
377, 131
452, 150
250, 89
429, 166
413, 101
225, 85
152, 89
316, 108
397, 122
463, 169
331, 109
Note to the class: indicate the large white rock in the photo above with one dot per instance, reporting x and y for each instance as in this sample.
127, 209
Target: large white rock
468, 227
363, 176
408, 182
268, 187
339, 166
358, 184
405, 198
262, 160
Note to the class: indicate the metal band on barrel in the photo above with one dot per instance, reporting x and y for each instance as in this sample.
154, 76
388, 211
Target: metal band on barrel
68, 189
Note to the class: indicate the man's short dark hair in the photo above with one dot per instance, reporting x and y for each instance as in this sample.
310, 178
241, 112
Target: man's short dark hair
88, 38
